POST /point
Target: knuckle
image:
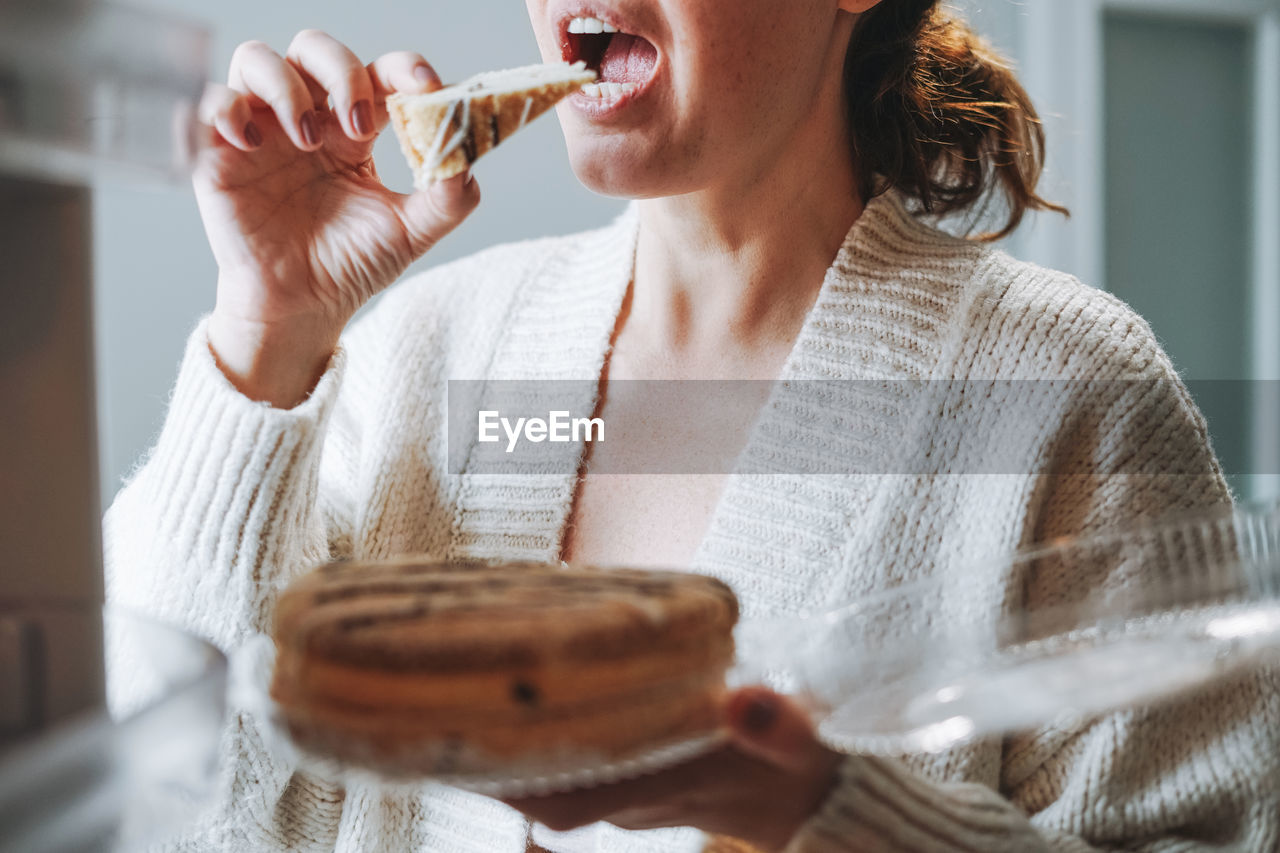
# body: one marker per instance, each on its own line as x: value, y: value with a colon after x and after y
x: 356, y: 81
x: 207, y: 112
x: 212, y: 93
x: 215, y: 102
x: 398, y: 63
x: 405, y: 57
x: 282, y: 102
x: 249, y: 48
x: 306, y: 37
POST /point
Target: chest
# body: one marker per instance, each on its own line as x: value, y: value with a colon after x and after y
x: 649, y: 491
x: 644, y: 521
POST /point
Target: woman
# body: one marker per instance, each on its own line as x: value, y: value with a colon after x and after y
x: 777, y: 159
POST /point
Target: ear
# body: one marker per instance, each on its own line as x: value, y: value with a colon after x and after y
x: 857, y: 7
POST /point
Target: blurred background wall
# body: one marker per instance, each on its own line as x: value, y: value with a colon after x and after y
x: 1164, y: 130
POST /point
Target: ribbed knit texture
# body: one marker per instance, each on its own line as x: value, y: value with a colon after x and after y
x: 237, y: 498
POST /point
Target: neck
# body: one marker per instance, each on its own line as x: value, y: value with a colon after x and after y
x: 738, y: 265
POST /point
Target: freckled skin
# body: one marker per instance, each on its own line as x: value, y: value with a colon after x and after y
x: 741, y: 147
x: 738, y: 79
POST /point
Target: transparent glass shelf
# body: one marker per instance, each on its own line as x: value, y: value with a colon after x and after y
x: 124, y: 779
x: 92, y: 88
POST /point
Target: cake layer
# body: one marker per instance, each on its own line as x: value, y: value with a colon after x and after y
x: 415, y: 743
x: 555, y: 685
x: 451, y: 617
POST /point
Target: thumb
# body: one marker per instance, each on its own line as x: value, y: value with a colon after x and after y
x: 430, y: 214
x: 773, y: 728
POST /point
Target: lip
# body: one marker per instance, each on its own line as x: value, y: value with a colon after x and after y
x: 598, y: 108
x: 595, y: 108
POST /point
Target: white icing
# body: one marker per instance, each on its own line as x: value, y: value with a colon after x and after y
x: 440, y: 151
x: 510, y: 81
x: 531, y: 76
x: 524, y: 116
x: 436, y: 151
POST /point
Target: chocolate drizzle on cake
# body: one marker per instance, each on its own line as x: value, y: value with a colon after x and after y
x: 413, y: 613
x: 525, y: 693
x: 469, y: 145
x: 454, y: 616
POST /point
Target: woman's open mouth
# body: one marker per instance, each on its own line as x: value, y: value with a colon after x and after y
x: 623, y: 62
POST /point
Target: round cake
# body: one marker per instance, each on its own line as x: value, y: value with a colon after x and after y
x: 421, y: 668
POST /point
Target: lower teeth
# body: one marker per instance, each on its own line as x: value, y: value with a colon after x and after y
x: 608, y: 91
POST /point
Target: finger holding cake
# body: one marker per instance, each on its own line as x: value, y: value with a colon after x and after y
x: 761, y: 787
x: 303, y: 230
x: 331, y: 68
x: 317, y: 79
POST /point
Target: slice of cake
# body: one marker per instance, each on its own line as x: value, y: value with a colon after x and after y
x: 443, y: 132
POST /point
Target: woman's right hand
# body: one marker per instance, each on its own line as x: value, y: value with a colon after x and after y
x: 302, y: 229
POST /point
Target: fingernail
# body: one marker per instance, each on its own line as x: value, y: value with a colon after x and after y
x: 252, y: 135
x: 760, y: 715
x: 362, y: 118
x: 308, y: 124
x: 466, y: 181
x: 423, y: 75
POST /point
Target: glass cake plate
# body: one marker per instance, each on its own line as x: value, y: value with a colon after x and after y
x: 1044, y: 637
x: 131, y: 776
x: 1049, y: 636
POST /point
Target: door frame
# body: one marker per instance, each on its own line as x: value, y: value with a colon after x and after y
x: 1062, y: 66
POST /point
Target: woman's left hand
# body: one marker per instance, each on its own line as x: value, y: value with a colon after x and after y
x: 761, y: 787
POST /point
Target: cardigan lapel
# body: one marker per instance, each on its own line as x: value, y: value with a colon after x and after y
x: 555, y: 345
x: 788, y: 531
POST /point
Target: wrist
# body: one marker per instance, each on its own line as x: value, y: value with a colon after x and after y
x: 812, y: 792
x: 276, y: 363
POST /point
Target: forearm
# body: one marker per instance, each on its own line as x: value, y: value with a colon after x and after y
x: 878, y: 804
x: 1199, y: 773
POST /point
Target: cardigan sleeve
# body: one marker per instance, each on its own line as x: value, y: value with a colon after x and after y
x: 1196, y: 773
x: 224, y: 511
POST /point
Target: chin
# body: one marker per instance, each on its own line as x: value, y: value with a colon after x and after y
x: 608, y: 179
x: 615, y: 169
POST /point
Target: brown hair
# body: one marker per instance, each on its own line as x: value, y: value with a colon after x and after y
x: 936, y: 113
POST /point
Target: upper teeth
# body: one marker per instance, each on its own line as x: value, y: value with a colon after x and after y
x: 590, y: 25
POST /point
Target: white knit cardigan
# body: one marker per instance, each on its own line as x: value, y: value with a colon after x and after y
x: 237, y: 498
